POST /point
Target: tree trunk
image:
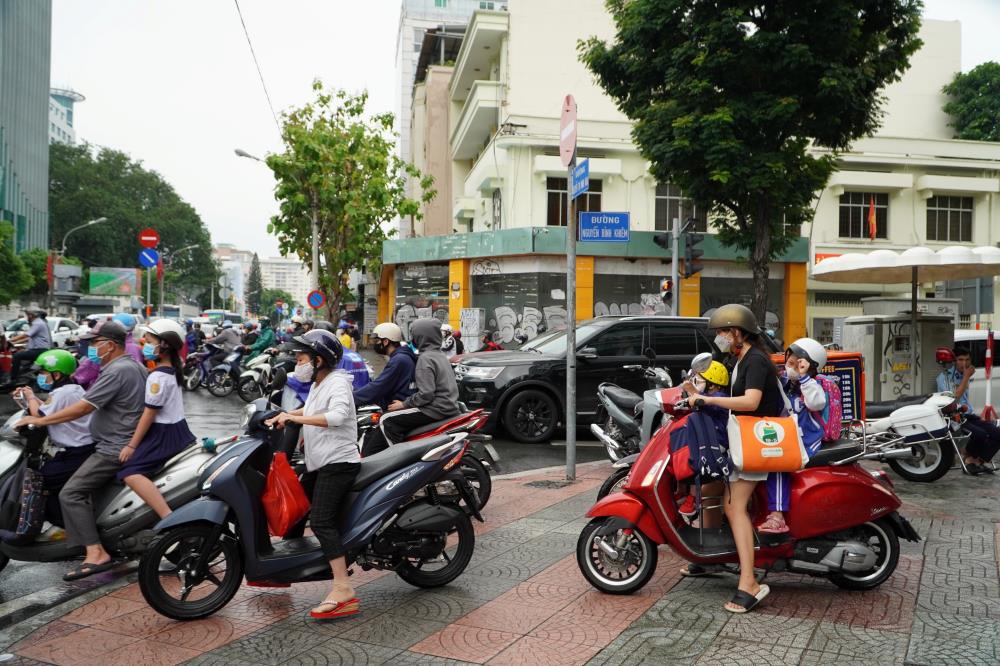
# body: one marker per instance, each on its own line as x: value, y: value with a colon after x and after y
x: 760, y: 266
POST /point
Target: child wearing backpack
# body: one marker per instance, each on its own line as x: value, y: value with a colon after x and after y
x: 812, y: 398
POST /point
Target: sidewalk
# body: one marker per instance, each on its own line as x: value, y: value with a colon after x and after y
x: 523, y: 601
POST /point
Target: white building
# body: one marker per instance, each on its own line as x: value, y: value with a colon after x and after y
x: 61, y: 108
x: 288, y: 274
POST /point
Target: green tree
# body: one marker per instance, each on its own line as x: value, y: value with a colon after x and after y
x: 728, y: 96
x: 255, y: 286
x: 36, y: 261
x: 15, y: 278
x: 340, y: 169
x: 974, y: 106
x: 269, y: 303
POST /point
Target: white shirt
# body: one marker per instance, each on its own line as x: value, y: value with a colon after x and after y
x: 72, y: 433
x: 164, y: 395
x: 338, y: 441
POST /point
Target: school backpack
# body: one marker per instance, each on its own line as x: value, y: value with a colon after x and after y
x: 832, y: 416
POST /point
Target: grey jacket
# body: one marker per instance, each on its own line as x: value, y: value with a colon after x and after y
x: 437, y: 391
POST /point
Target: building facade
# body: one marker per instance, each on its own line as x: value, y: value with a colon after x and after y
x: 25, y: 47
x: 62, y: 103
x: 290, y: 275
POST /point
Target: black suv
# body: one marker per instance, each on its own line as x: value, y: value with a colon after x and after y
x: 525, y: 390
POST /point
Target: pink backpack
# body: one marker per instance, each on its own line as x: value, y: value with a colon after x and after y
x: 832, y: 416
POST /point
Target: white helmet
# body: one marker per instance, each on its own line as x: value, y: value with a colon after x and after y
x: 298, y: 319
x: 446, y: 329
x: 810, y: 350
x: 388, y: 331
x: 169, y: 331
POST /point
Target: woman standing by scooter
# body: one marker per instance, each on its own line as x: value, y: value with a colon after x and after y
x: 755, y: 392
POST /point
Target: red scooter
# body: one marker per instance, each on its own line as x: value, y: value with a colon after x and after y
x: 843, y: 522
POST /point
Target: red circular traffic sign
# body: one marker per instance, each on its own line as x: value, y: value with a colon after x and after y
x: 567, y: 131
x: 316, y: 299
x: 149, y: 238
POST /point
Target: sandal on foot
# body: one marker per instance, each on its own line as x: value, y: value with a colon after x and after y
x: 694, y: 571
x: 88, y: 569
x: 773, y: 525
x: 746, y: 601
x: 329, y: 610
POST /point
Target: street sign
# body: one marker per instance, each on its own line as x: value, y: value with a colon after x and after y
x: 581, y: 178
x: 567, y: 131
x: 148, y: 258
x: 604, y: 227
x: 316, y: 299
x: 149, y: 238
x: 223, y: 280
x: 225, y: 293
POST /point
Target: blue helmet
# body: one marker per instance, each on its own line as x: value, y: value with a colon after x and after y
x: 125, y: 319
x: 227, y: 324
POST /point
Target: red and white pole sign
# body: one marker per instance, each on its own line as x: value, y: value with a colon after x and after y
x: 989, y: 413
x: 149, y: 238
x: 567, y: 131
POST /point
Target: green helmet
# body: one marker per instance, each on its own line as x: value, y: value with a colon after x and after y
x: 57, y: 360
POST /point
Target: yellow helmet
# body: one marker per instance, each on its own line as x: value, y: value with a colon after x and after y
x: 716, y: 374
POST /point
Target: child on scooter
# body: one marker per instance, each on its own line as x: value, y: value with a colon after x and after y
x: 163, y: 431
x: 73, y: 440
x: 803, y: 360
x: 714, y: 381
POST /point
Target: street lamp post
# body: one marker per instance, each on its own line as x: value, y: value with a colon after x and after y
x: 62, y: 253
x: 312, y: 219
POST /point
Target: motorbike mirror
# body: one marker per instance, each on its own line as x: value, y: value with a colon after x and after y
x: 701, y: 362
x: 279, y: 379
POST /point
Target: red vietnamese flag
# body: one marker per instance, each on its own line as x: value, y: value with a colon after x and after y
x: 159, y: 270
x: 872, y: 224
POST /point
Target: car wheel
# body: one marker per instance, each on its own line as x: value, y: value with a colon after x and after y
x: 531, y: 416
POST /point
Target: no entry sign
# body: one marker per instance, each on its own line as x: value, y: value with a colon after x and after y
x: 149, y: 238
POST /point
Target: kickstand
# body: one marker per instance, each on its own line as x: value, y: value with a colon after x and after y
x: 760, y: 578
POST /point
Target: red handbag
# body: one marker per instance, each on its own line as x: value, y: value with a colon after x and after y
x: 284, y: 499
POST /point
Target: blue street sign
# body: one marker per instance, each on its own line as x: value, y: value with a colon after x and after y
x: 581, y: 178
x: 315, y: 299
x: 148, y: 258
x: 604, y: 227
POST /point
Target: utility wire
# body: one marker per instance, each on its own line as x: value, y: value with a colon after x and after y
x: 257, y: 64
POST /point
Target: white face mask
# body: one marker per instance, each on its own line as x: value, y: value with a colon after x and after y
x: 699, y: 383
x: 724, y: 343
x: 791, y: 371
x: 303, y: 372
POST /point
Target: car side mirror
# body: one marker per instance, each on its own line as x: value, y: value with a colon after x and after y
x: 649, y: 353
x: 586, y: 352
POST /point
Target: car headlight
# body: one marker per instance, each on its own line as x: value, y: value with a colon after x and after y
x: 479, y: 372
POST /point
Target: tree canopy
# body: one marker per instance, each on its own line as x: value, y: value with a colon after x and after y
x: 728, y: 96
x: 269, y: 300
x: 339, y: 167
x: 255, y: 286
x: 974, y: 106
x: 15, y: 278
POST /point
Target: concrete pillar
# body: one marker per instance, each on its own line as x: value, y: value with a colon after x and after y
x: 387, y: 294
x: 584, y: 288
x: 793, y: 321
x: 690, y: 295
x: 458, y: 274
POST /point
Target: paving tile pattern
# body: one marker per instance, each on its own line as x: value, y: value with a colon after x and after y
x: 523, y: 601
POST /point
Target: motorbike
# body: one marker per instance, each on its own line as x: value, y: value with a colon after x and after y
x: 255, y: 381
x: 222, y: 378
x: 124, y: 521
x: 844, y: 524
x: 197, y: 366
x: 625, y: 421
x: 393, y: 519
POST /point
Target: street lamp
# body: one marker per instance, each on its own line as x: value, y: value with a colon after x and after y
x: 312, y: 218
x: 62, y: 253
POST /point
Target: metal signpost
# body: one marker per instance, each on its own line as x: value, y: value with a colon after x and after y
x: 148, y: 258
x: 567, y: 151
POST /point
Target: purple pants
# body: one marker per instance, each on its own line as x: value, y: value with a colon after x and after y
x: 779, y: 484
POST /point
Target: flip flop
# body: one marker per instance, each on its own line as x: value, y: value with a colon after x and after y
x: 766, y: 526
x: 88, y: 569
x: 746, y: 601
x: 336, y: 609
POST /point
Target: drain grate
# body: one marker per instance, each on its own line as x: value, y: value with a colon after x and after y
x: 549, y: 484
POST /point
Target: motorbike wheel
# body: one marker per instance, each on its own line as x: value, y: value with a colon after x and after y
x: 880, y: 537
x: 633, y: 569
x: 614, y: 482
x: 220, y: 383
x: 249, y: 389
x: 939, y: 456
x: 462, y: 543
x: 192, y: 378
x: 193, y: 596
x: 531, y: 416
x: 478, y: 477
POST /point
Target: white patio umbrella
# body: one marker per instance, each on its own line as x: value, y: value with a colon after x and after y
x: 914, y: 265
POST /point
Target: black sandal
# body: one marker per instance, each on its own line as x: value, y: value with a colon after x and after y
x: 694, y: 571
x: 746, y: 601
x: 88, y: 569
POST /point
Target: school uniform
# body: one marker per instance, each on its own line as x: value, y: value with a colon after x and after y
x: 169, y: 433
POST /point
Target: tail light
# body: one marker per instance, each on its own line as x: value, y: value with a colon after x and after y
x: 375, y: 417
x: 457, y: 459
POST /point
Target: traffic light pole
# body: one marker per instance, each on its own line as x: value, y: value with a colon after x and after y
x: 570, y: 328
x: 676, y: 241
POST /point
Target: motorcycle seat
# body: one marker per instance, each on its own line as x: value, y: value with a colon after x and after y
x: 428, y: 428
x: 881, y: 425
x: 622, y: 398
x: 393, y: 458
x: 834, y: 452
x: 878, y: 410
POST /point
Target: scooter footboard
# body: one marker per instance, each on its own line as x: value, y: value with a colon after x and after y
x: 628, y: 508
x: 203, y: 509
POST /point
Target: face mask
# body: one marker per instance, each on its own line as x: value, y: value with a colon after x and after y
x: 93, y: 355
x: 791, y: 372
x: 699, y: 384
x: 43, y: 384
x: 303, y: 372
x: 150, y: 352
x: 724, y: 343
x: 379, y: 348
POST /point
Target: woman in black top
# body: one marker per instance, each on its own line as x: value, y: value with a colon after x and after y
x: 755, y: 392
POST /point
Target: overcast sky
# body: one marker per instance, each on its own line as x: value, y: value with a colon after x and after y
x: 173, y: 84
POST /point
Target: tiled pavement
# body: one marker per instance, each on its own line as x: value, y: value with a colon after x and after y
x: 523, y: 601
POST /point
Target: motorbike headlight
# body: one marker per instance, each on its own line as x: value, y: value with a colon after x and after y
x: 479, y: 372
x: 248, y: 413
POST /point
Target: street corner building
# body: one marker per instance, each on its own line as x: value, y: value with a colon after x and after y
x: 482, y: 117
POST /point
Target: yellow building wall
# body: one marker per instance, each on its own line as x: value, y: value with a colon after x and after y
x: 690, y: 303
x: 584, y: 288
x: 794, y: 319
x: 458, y: 273
x: 387, y: 294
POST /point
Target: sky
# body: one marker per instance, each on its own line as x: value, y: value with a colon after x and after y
x: 173, y: 84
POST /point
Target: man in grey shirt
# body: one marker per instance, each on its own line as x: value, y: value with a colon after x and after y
x: 117, y: 400
x: 37, y: 336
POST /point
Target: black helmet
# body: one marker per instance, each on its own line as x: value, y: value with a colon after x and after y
x: 323, y: 325
x: 734, y: 316
x: 319, y: 343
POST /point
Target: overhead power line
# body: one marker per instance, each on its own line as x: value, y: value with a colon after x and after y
x: 260, y: 74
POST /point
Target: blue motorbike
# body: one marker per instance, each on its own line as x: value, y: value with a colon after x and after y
x: 393, y: 519
x: 223, y: 378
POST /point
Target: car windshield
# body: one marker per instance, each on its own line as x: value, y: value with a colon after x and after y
x: 555, y: 342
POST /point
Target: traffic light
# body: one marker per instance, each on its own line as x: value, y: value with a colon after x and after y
x: 664, y: 241
x: 692, y: 253
x: 667, y: 290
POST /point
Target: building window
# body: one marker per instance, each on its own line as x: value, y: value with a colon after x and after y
x: 485, y: 5
x: 555, y: 189
x: 949, y: 219
x: 671, y: 203
x: 440, y: 3
x: 854, y: 214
